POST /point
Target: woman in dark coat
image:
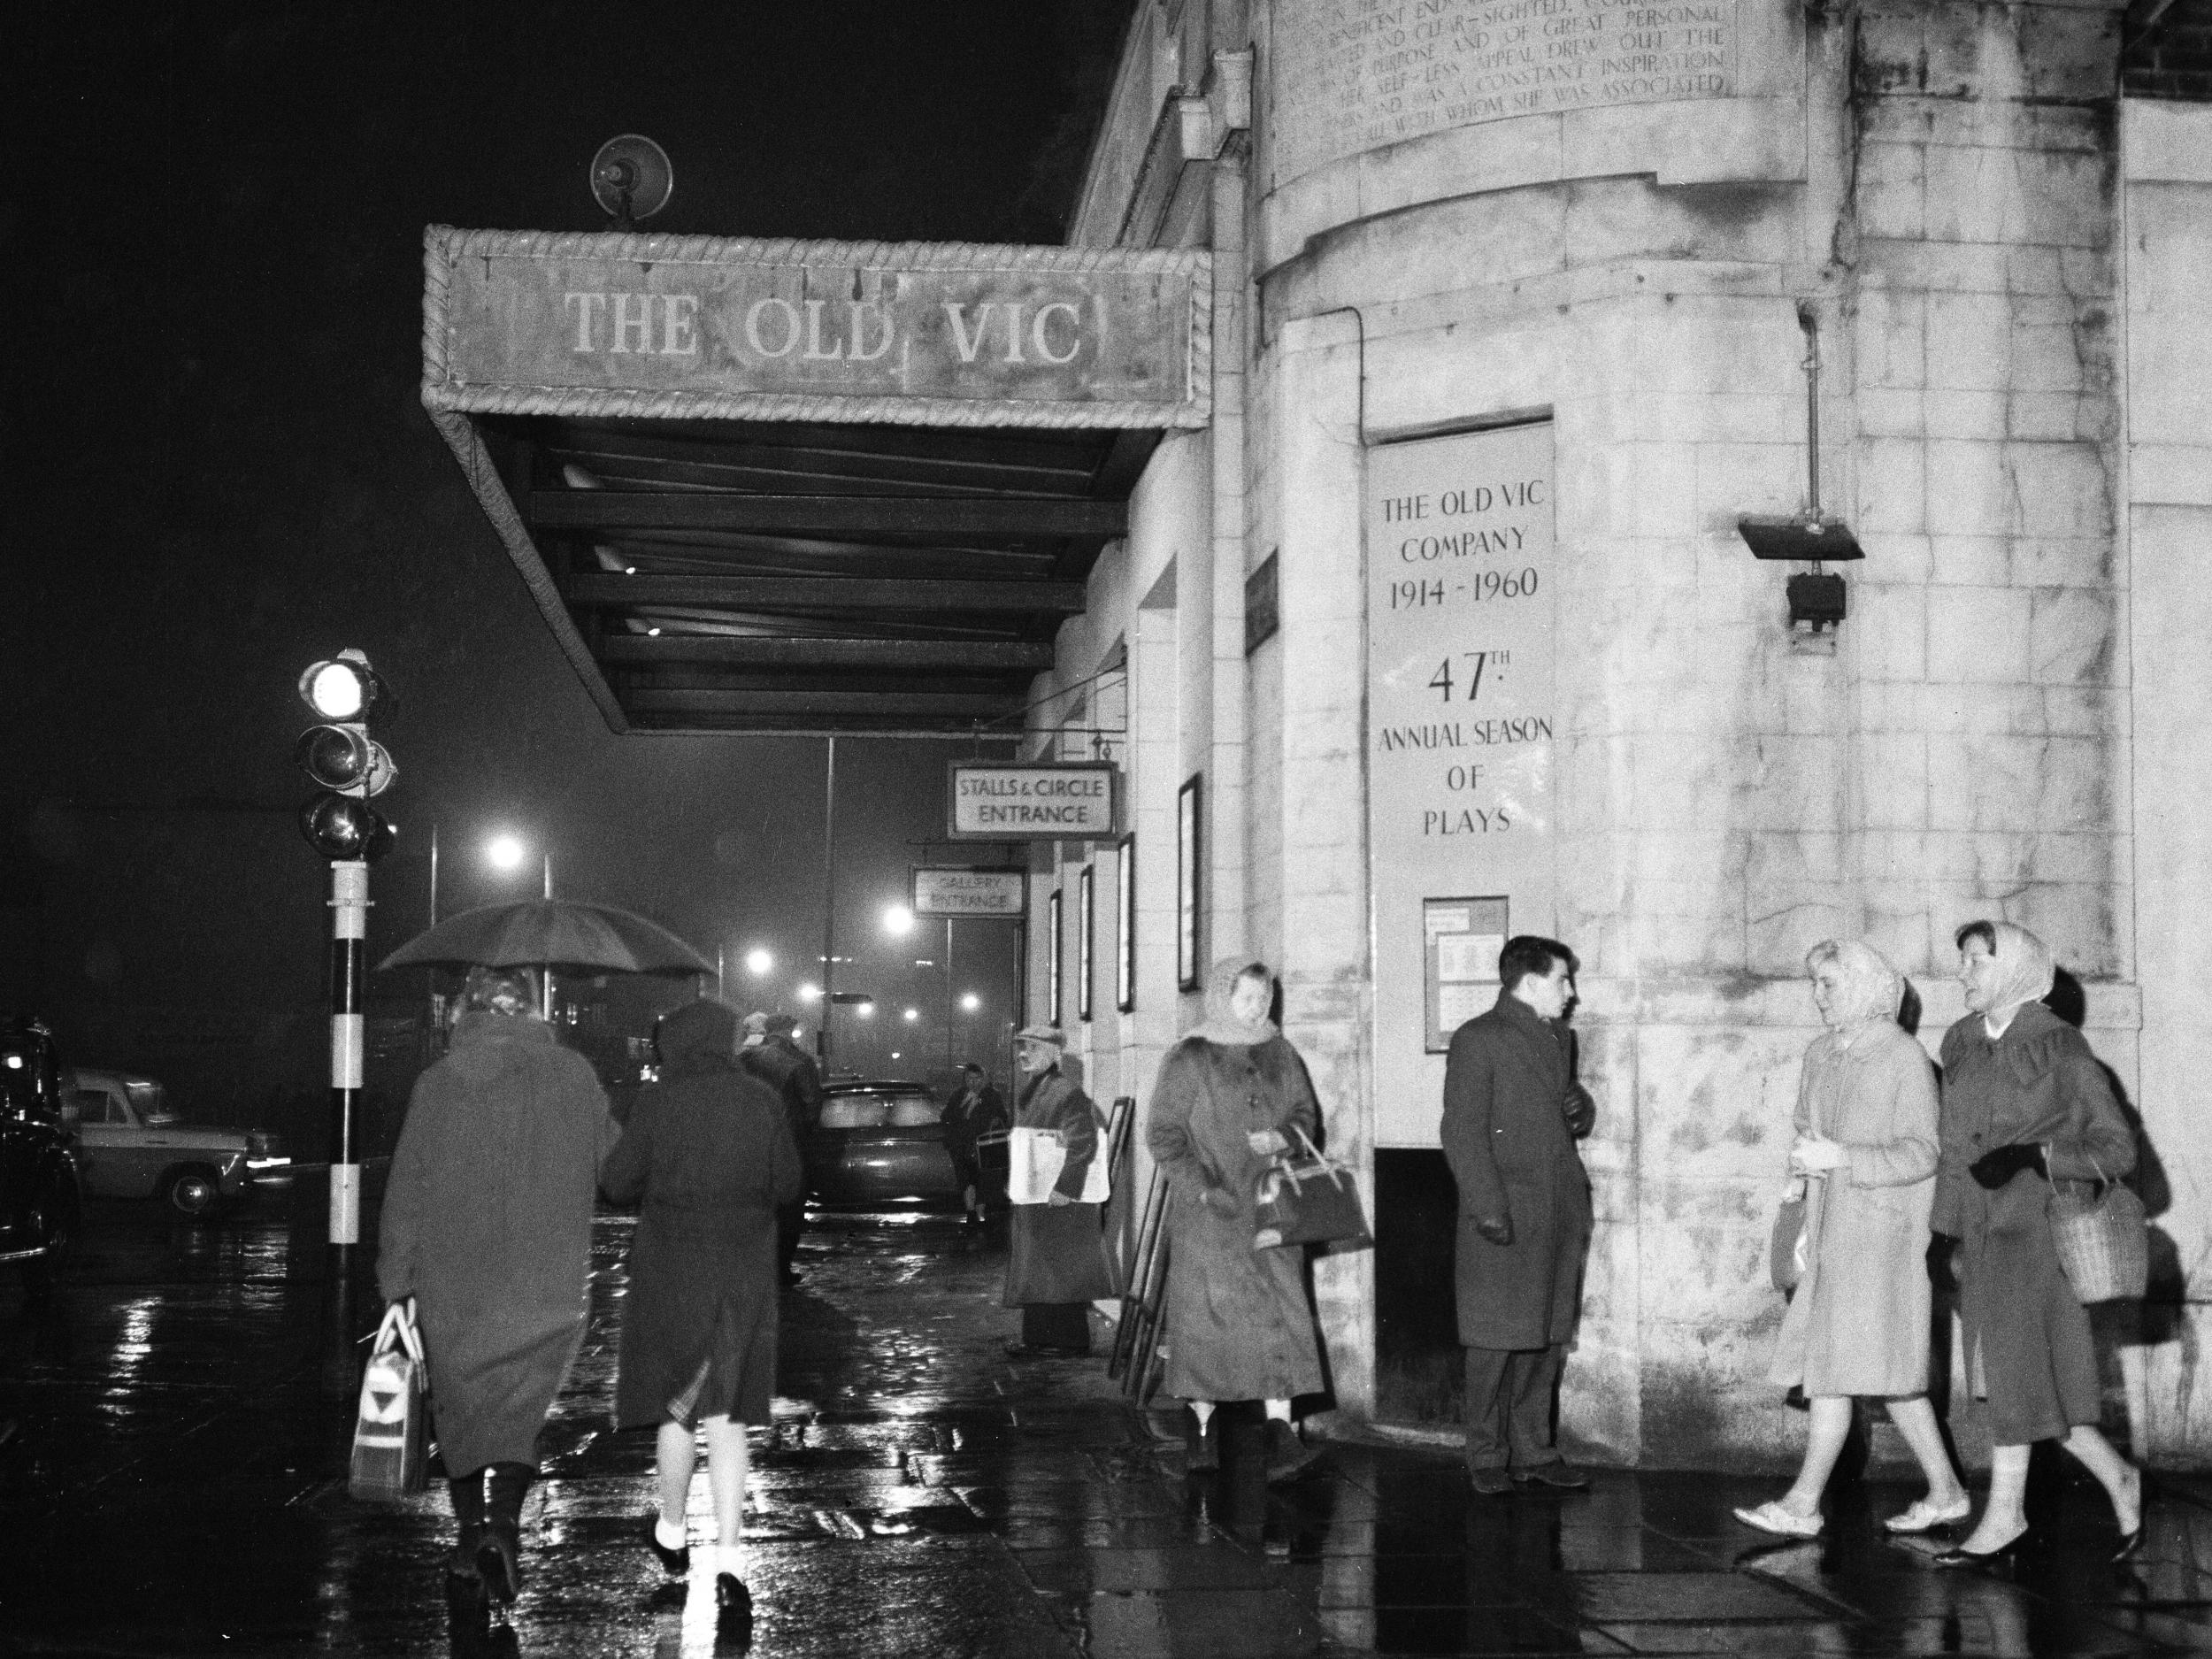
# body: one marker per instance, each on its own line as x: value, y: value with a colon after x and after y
x: 2025, y: 1103
x: 1056, y: 1264
x: 486, y: 1224
x: 1229, y: 1097
x: 708, y: 1157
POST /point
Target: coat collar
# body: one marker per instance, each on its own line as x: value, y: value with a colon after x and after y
x: 481, y: 1025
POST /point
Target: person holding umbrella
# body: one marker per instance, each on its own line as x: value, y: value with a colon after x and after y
x: 487, y: 1226
x: 708, y: 1158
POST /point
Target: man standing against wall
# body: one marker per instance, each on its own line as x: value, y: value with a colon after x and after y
x: 1512, y: 1113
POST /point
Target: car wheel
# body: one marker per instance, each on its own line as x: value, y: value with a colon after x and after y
x: 194, y: 1192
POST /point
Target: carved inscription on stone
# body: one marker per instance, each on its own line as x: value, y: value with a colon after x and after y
x: 1352, y: 76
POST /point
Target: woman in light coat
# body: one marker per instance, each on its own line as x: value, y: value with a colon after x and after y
x: 2025, y: 1103
x: 1865, y: 1157
x: 1229, y: 1097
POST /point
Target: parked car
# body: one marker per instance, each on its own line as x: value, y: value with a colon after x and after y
x: 882, y: 1143
x: 39, y: 1191
x: 132, y: 1144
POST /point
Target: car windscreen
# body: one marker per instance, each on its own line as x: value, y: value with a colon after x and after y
x: 150, y: 1102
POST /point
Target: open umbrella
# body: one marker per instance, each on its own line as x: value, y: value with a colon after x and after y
x: 551, y: 933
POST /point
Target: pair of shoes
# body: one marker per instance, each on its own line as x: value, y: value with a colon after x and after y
x: 1490, y: 1482
x: 1560, y: 1473
x: 1962, y: 1556
x: 1925, y: 1516
x: 1287, y: 1455
x: 1044, y: 1350
x: 675, y: 1563
x: 1201, y: 1446
x: 1772, y: 1518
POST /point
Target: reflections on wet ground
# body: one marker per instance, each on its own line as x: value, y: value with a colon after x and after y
x: 174, y: 1485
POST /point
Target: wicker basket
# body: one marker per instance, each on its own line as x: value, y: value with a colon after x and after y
x: 2103, y: 1241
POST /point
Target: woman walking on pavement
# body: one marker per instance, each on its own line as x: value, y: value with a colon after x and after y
x: 1056, y: 1264
x: 1228, y: 1098
x: 2025, y: 1104
x: 708, y: 1157
x: 1865, y: 1159
x: 486, y: 1224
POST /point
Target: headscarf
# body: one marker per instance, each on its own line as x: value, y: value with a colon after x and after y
x: 2025, y: 972
x: 1871, y: 988
x: 508, y: 991
x: 1221, y: 1024
x: 697, y: 1039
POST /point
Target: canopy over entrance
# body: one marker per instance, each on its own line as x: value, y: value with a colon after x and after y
x: 807, y: 487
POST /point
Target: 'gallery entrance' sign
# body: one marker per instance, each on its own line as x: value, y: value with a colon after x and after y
x: 1070, y: 803
x: 957, y: 333
x: 1460, y: 633
x: 967, y: 891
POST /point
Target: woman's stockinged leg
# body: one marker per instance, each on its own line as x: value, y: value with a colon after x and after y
x: 676, y: 1450
x: 2006, y: 1517
x: 1916, y: 1420
x: 2121, y: 1481
x: 729, y: 1457
x: 1831, y: 1427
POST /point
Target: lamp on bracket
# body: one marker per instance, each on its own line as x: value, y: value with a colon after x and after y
x: 1818, y: 600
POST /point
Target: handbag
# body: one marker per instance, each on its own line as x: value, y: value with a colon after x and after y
x: 1306, y: 1198
x: 1035, y: 1158
x: 2102, y: 1237
x: 1787, y: 1249
x: 391, y: 1430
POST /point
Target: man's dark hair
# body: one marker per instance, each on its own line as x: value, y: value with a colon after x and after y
x: 1526, y: 953
x: 1985, y: 932
x: 972, y: 1066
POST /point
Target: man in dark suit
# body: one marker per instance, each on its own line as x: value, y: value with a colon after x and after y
x: 773, y: 1054
x: 1512, y: 1113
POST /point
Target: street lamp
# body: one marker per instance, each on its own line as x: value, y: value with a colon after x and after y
x: 913, y: 1014
x: 898, y: 921
x: 970, y: 1001
x: 809, y: 993
x: 758, y: 960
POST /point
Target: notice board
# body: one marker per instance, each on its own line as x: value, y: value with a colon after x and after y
x: 1461, y: 630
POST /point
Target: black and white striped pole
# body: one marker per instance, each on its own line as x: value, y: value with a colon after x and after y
x: 339, y: 823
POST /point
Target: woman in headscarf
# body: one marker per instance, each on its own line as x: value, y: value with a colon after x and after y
x: 1229, y: 1097
x: 707, y: 1156
x: 1864, y: 1161
x: 486, y: 1224
x: 2025, y: 1103
x: 1056, y: 1263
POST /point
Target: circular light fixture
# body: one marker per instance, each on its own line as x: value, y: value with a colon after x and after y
x: 810, y: 994
x: 344, y: 758
x: 969, y: 1002
x: 866, y: 1010
x: 913, y: 1014
x: 758, y: 961
x: 898, y: 920
x: 345, y: 687
x: 505, y: 852
x: 344, y: 826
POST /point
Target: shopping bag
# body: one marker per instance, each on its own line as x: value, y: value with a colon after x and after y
x: 1787, y: 1249
x: 391, y: 1430
x: 1034, y: 1160
x: 2102, y: 1237
x: 1305, y: 1198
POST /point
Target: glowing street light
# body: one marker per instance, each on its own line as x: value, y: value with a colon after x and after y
x: 758, y: 960
x: 898, y: 921
x: 913, y: 1014
x: 809, y: 993
x: 970, y: 1001
x: 505, y: 852
x: 866, y: 1010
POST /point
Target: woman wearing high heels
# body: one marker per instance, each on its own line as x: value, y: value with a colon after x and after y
x: 2025, y: 1103
x: 1865, y: 1155
x: 707, y: 1158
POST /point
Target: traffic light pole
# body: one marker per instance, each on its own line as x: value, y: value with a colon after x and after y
x: 349, y: 933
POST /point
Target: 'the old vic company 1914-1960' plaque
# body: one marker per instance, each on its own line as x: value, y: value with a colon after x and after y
x: 1351, y: 76
x: 1460, y: 633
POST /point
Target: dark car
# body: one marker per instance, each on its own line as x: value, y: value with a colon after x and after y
x: 40, y: 1197
x: 881, y: 1144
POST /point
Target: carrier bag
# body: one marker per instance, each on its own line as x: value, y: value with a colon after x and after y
x: 1306, y: 1198
x: 391, y: 1432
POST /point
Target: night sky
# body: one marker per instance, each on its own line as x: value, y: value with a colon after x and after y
x: 219, y: 470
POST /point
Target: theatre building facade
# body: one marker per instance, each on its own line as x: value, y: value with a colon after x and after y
x: 1533, y: 324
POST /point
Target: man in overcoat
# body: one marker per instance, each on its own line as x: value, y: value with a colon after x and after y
x: 1512, y: 1113
x: 771, y: 1053
x: 1056, y: 1264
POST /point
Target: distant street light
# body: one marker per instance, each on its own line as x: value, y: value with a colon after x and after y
x: 970, y: 1001
x: 809, y: 993
x: 504, y: 853
x: 898, y: 921
x: 913, y: 1014
x: 758, y: 961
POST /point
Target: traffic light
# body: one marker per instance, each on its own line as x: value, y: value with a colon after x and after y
x: 348, y: 764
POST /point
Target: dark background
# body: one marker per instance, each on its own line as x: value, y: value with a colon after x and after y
x: 218, y: 472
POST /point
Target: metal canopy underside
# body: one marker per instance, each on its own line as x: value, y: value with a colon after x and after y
x: 725, y: 576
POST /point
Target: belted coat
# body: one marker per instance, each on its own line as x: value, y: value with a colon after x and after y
x: 1512, y: 1112
x: 1056, y: 1253
x: 2028, y: 1347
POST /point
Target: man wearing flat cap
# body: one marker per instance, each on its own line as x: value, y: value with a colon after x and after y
x: 1056, y: 1264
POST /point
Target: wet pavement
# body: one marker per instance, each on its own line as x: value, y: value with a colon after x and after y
x: 174, y: 1485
